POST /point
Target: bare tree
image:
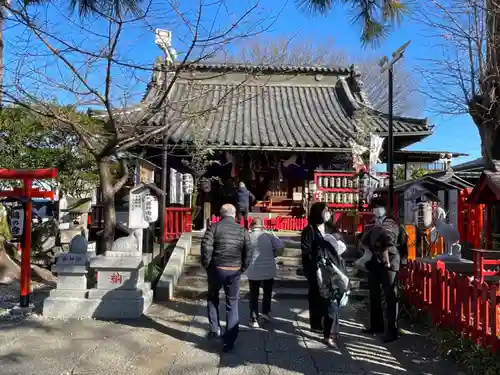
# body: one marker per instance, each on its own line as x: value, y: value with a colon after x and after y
x: 464, y: 79
x: 292, y: 51
x: 95, y: 63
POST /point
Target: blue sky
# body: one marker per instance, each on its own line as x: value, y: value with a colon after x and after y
x: 451, y: 133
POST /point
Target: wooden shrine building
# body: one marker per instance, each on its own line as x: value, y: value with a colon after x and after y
x: 268, y: 126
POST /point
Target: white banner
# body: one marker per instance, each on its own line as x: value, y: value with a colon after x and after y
x: 375, y: 148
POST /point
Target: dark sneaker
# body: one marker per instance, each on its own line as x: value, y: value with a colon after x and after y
x: 254, y: 323
x: 214, y: 335
x: 227, y: 348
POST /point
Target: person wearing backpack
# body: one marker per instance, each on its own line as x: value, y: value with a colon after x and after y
x: 383, y: 267
x: 312, y: 247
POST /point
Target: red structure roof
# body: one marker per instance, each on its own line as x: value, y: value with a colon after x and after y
x: 487, y: 189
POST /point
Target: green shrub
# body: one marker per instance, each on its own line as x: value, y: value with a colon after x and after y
x: 474, y: 358
x: 449, y: 343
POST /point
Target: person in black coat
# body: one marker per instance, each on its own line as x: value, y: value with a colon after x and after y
x: 244, y: 200
x: 382, y: 240
x: 226, y: 252
x: 311, y: 242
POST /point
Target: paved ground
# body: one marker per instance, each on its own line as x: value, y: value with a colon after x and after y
x: 171, y: 341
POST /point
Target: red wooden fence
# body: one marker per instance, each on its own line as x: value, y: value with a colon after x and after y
x: 454, y: 301
x: 280, y: 223
x: 177, y: 221
x: 344, y: 222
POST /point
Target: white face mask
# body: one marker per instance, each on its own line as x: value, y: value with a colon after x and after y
x: 379, y: 212
x: 326, y: 216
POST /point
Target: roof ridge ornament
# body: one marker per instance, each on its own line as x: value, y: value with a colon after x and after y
x: 163, y: 39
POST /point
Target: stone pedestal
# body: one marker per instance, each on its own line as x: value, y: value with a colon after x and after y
x: 71, y: 291
x: 121, y: 290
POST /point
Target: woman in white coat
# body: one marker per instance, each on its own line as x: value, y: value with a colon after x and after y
x: 262, y: 270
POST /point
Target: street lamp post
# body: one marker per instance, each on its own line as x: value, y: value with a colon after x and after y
x: 385, y: 64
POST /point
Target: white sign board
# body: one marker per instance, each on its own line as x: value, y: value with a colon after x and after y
x: 188, y: 184
x: 136, y: 209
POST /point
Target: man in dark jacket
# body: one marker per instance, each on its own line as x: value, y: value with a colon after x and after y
x: 382, y: 240
x: 243, y: 201
x: 226, y: 252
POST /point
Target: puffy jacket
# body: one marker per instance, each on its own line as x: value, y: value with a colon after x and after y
x: 226, y: 244
x: 265, y: 248
x: 384, y: 236
x: 243, y: 197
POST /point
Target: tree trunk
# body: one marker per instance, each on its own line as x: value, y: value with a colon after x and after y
x: 489, y: 129
x: 108, y: 194
x: 489, y: 132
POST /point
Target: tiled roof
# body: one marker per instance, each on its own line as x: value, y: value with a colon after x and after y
x: 237, y: 67
x: 469, y: 165
x: 307, y: 108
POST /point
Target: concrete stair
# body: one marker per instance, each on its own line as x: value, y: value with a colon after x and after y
x: 289, y: 283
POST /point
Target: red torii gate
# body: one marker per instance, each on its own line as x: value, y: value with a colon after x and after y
x: 25, y: 194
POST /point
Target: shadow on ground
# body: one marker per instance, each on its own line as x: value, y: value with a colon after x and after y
x: 286, y: 344
x: 171, y: 340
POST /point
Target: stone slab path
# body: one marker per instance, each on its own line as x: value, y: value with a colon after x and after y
x: 170, y: 340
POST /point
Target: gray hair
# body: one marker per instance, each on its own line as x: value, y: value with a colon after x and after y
x: 242, y: 184
x: 228, y: 210
x: 257, y: 222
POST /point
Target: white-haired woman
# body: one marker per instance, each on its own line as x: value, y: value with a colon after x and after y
x: 262, y: 270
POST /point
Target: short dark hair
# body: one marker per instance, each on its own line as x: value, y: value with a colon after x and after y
x: 378, y: 201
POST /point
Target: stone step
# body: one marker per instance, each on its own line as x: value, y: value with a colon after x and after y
x: 199, y: 291
x: 288, y: 283
x: 289, y: 261
x: 290, y: 252
x: 286, y: 262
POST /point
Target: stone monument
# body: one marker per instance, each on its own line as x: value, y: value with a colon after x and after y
x: 121, y: 290
x: 68, y: 300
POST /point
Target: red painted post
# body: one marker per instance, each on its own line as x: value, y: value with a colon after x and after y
x: 438, y: 292
x: 488, y: 233
x: 485, y: 315
x: 481, y: 267
x: 26, y: 254
x: 493, y: 307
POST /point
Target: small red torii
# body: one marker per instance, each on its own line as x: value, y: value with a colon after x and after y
x: 25, y: 194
